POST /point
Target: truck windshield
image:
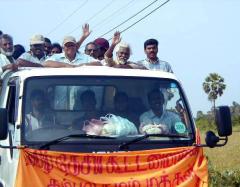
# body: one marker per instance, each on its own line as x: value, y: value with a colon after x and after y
x: 120, y: 107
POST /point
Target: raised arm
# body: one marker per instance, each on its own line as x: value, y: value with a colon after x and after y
x: 109, y: 53
x: 85, y: 33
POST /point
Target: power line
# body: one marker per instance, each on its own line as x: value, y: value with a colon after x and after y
x: 111, y: 15
x: 87, y: 21
x: 129, y: 18
x: 139, y: 19
x: 63, y: 21
x: 145, y: 16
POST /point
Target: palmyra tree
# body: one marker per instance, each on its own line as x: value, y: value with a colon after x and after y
x: 214, y: 86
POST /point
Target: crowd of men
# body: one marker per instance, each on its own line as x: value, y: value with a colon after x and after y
x: 43, y: 53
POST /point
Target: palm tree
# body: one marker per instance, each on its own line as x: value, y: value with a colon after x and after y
x: 214, y: 86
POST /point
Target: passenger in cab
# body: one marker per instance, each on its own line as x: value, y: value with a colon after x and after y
x: 88, y: 106
x: 36, y: 56
x: 70, y: 57
x: 7, y: 62
x: 121, y: 108
x: 157, y: 120
x: 152, y: 61
x: 123, y: 52
x: 40, y: 115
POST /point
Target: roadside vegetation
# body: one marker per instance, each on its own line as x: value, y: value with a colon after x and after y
x: 224, y: 162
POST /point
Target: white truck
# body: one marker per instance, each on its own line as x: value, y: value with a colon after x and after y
x: 54, y: 109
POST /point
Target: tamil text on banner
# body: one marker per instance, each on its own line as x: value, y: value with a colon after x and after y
x: 185, y: 166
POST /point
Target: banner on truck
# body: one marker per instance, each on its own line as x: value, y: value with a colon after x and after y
x: 185, y: 166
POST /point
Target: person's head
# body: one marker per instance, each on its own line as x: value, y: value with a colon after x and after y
x: 1, y: 32
x: 103, y: 46
x: 151, y: 48
x: 123, y: 52
x: 91, y: 49
x: 70, y: 47
x: 156, y: 100
x: 6, y: 44
x: 121, y: 102
x: 38, y: 100
x: 56, y: 48
x: 88, y: 100
x: 47, y: 46
x: 37, y: 45
x: 18, y: 50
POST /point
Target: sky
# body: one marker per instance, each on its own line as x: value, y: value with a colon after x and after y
x: 196, y: 37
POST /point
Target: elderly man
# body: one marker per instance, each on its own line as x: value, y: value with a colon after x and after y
x: 70, y: 57
x: 36, y: 56
x: 152, y: 62
x: 123, y: 52
x: 6, y: 59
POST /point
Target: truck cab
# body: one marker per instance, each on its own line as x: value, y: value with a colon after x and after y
x: 94, y: 110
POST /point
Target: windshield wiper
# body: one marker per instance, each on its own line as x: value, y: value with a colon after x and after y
x: 138, y: 139
x: 58, y: 140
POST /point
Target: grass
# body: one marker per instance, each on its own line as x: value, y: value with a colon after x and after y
x: 226, y: 157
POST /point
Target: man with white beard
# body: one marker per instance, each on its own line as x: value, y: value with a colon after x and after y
x: 6, y: 48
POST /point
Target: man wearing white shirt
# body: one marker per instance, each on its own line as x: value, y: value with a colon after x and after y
x: 36, y: 54
x: 70, y: 56
x: 6, y: 59
x: 157, y: 116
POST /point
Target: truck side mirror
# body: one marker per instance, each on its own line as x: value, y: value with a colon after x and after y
x: 211, y: 139
x: 3, y: 123
x: 223, y: 121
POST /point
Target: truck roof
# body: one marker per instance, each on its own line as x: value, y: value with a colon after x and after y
x: 91, y: 71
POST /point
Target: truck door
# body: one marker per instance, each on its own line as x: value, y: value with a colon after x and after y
x: 7, y: 162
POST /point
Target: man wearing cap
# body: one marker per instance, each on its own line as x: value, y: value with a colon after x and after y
x: 36, y: 54
x: 70, y: 57
x: 6, y: 48
x: 103, y: 46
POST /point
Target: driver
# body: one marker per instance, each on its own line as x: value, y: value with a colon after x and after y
x: 39, y: 116
x: 157, y: 120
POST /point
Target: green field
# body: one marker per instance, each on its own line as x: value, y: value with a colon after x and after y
x: 226, y: 157
x: 224, y: 162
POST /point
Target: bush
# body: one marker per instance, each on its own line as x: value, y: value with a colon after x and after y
x: 235, y: 120
x: 229, y: 178
x: 206, y: 124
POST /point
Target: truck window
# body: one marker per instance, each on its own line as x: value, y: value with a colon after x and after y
x: 106, y: 106
x: 68, y: 97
